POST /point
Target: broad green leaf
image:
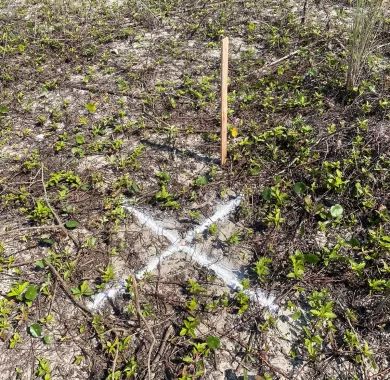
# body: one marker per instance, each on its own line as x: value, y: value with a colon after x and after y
x: 31, y: 293
x: 80, y: 139
x: 266, y: 194
x: 35, y: 330
x: 354, y: 242
x: 91, y: 107
x: 336, y: 211
x: 384, y: 241
x: 299, y: 188
x: 85, y: 288
x: 183, y: 331
x: 40, y: 264
x: 18, y: 289
x: 15, y: 339
x: 71, y: 224
x: 187, y: 359
x: 311, y: 258
x: 3, y: 110
x: 234, y: 132
x: 46, y: 242
x: 201, y: 181
x: 296, y: 315
x: 213, y: 342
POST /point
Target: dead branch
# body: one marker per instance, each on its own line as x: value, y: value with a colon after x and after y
x: 64, y: 287
x: 57, y: 218
x: 140, y: 316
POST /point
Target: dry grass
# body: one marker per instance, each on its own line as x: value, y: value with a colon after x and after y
x: 366, y: 21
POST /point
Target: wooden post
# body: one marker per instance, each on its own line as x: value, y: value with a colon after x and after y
x: 224, y: 94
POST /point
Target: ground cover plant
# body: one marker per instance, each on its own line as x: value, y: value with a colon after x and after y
x: 111, y: 106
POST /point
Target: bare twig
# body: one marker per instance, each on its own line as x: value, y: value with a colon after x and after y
x: 148, y: 9
x: 22, y: 264
x: 57, y: 218
x: 114, y: 363
x: 304, y: 10
x: 140, y: 316
x: 64, y: 287
x: 264, y: 69
x: 168, y: 333
x: 53, y: 297
x: 31, y: 228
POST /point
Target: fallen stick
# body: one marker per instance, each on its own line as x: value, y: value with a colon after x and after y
x: 113, y: 368
x: 263, y: 70
x: 168, y: 333
x: 57, y: 218
x: 64, y: 287
x: 141, y: 317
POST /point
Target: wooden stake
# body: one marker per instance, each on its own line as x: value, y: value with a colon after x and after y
x: 224, y: 94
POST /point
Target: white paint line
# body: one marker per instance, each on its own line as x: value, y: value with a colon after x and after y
x: 221, y: 213
x: 155, y: 261
x: 110, y: 293
x: 173, y: 237
x: 148, y: 221
x: 225, y: 273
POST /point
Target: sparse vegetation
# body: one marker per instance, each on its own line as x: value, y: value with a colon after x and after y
x: 112, y: 103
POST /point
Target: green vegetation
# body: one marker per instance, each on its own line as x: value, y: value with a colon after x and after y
x: 105, y: 103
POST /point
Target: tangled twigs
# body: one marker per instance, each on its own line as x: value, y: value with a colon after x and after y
x: 168, y: 333
x: 141, y: 317
x: 274, y: 64
x: 62, y: 283
x: 57, y: 218
x: 264, y: 359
